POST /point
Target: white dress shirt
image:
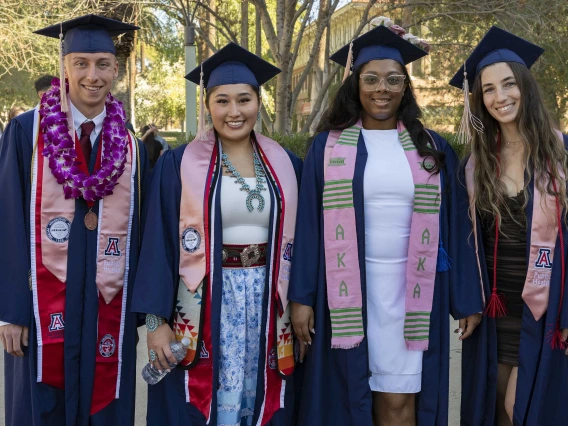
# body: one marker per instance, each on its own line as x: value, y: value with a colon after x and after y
x: 79, y: 118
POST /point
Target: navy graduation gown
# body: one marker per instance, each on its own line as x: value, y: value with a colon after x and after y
x: 26, y: 401
x: 156, y: 290
x: 542, y: 383
x: 336, y: 383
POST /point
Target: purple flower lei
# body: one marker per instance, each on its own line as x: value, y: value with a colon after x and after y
x: 60, y: 148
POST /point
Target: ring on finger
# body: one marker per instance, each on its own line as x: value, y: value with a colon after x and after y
x: 152, y: 355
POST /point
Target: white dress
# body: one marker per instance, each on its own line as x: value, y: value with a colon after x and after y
x: 389, y: 198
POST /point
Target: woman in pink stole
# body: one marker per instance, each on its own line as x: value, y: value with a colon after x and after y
x: 515, y: 370
x: 216, y: 260
x: 380, y: 249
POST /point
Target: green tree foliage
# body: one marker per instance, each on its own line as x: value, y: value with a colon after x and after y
x: 160, y: 93
x: 453, y: 26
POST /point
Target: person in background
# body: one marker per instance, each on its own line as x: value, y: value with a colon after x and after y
x: 15, y: 111
x: 152, y: 145
x: 160, y: 139
x: 514, y: 366
x: 43, y: 84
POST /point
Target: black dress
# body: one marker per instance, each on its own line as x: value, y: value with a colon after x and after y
x: 511, y: 275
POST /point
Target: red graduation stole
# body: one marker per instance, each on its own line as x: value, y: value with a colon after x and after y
x: 51, y: 216
x: 199, y: 168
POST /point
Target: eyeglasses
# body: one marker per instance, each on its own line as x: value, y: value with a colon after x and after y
x: 371, y: 82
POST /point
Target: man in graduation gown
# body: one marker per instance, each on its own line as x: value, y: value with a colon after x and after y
x: 70, y: 217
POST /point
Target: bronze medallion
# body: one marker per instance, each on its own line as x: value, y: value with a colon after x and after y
x: 91, y: 221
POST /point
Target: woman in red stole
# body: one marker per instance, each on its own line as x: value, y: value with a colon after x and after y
x: 216, y: 260
x: 515, y: 369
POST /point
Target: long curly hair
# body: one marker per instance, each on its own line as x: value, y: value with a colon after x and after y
x: 345, y: 111
x: 544, y: 152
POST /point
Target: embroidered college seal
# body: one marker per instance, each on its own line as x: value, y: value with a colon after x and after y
x: 58, y: 230
x: 190, y: 240
x: 107, y: 346
x: 288, y: 252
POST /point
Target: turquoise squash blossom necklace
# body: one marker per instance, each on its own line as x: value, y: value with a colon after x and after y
x: 253, y: 194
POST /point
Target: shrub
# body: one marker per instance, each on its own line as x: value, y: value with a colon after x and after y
x: 295, y: 142
x: 299, y: 143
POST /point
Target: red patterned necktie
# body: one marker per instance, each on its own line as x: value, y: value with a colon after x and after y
x: 85, y: 141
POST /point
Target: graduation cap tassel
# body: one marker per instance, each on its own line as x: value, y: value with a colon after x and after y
x: 496, y: 306
x: 201, y: 131
x: 62, y: 85
x: 349, y: 62
x: 468, y: 120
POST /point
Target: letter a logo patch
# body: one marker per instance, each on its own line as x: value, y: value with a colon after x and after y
x: 57, y: 323
x: 112, y: 247
x: 543, y: 259
x: 203, y: 353
x: 288, y: 252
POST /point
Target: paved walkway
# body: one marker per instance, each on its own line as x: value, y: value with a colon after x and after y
x: 141, y: 392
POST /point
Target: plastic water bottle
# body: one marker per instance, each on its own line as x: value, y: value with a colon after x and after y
x: 179, y: 349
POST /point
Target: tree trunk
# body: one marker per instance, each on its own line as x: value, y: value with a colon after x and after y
x: 244, y: 24
x: 319, y: 101
x: 132, y: 83
x: 282, y: 101
x: 212, y: 30
x: 322, y: 22
x: 323, y: 92
x: 142, y: 57
x: 281, y: 55
x: 123, y: 89
x: 321, y: 70
x: 258, y: 50
x: 407, y: 14
x: 258, y: 34
x: 280, y: 34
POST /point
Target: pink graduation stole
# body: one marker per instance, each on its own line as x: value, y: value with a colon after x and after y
x: 51, y: 218
x: 200, y: 172
x: 544, y: 232
x: 340, y: 240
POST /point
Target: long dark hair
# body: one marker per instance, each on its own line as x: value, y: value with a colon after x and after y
x: 345, y: 111
x: 544, y: 151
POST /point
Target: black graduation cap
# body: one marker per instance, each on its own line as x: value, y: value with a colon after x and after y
x: 87, y: 34
x: 497, y: 46
x: 379, y: 43
x: 233, y: 65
